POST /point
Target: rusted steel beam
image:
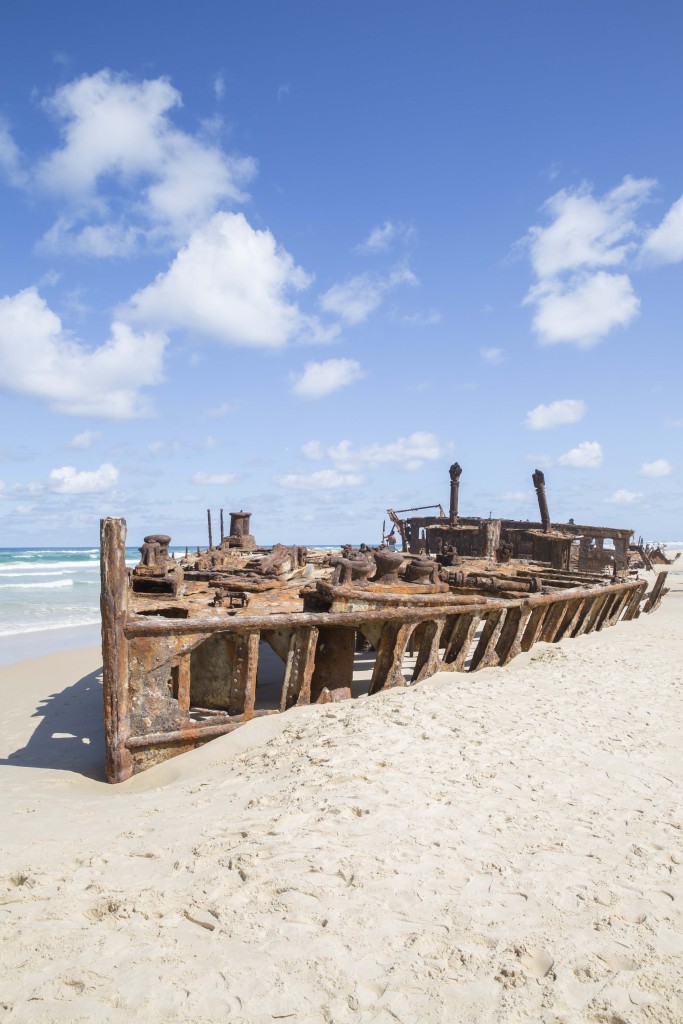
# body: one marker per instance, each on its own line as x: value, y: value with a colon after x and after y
x: 539, y: 483
x: 589, y: 616
x: 244, y: 661
x: 454, y: 472
x: 460, y: 640
x: 183, y: 682
x: 246, y: 623
x: 510, y: 639
x: 114, y: 608
x: 484, y: 653
x: 388, y: 670
x: 296, y: 686
x: 534, y: 626
x: 553, y: 621
x: 654, y: 598
x: 333, y: 670
x: 208, y: 518
x: 634, y: 604
x: 428, y: 659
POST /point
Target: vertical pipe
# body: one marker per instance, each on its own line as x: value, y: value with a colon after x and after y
x: 455, y: 472
x: 208, y: 517
x: 539, y: 483
x: 222, y: 528
x: 114, y: 608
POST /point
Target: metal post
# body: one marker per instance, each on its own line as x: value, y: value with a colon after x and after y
x: 539, y: 483
x: 208, y: 516
x: 455, y: 472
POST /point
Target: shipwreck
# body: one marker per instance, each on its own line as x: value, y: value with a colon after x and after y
x: 184, y: 639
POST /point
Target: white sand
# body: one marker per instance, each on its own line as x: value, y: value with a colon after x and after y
x: 501, y: 847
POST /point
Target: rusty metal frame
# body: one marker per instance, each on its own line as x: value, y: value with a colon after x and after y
x: 146, y: 723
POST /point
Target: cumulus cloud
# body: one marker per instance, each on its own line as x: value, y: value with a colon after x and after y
x: 410, y: 452
x: 492, y: 356
x: 114, y: 128
x: 214, y: 479
x: 312, y: 450
x: 556, y: 414
x: 664, y: 244
x: 319, y: 379
x: 660, y: 467
x: 354, y: 300
x: 587, y: 455
x: 38, y: 357
x: 322, y: 480
x: 586, y: 231
x: 623, y: 497
x: 231, y: 283
x: 584, y: 309
x: 68, y: 480
x: 576, y: 299
x: 383, y: 236
x: 85, y: 439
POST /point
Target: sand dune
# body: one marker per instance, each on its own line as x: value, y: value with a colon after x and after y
x: 501, y: 847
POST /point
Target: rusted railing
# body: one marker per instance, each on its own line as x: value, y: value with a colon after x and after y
x: 152, y: 665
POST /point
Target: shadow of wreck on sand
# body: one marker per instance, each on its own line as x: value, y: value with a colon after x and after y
x: 70, y: 734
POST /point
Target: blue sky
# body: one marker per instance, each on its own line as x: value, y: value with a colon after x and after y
x: 298, y: 257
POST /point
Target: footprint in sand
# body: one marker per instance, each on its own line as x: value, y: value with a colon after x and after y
x: 537, y: 962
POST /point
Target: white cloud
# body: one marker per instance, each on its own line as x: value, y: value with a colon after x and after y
x: 103, y: 241
x: 10, y: 157
x: 312, y: 450
x: 322, y: 480
x: 427, y: 318
x: 68, y: 480
x: 492, y: 356
x: 85, y: 440
x: 218, y: 411
x: 660, y: 467
x: 518, y: 496
x: 354, y: 300
x: 584, y: 310
x: 623, y: 497
x: 118, y: 129
x: 410, y: 452
x: 319, y: 379
x: 213, y: 479
x: 210, y: 443
x: 231, y: 283
x: 576, y: 299
x: 664, y: 244
x: 38, y: 357
x: 384, y: 235
x: 586, y: 231
x: 219, y: 86
x: 545, y: 417
x: 588, y: 455
x: 163, y: 447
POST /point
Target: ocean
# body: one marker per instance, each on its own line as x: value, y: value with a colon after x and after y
x: 50, y: 599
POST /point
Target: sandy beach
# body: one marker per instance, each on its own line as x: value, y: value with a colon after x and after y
x: 501, y: 847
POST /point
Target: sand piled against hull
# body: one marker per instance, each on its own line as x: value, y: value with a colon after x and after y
x: 500, y: 847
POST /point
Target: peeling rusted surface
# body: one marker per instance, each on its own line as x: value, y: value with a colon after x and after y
x: 184, y: 641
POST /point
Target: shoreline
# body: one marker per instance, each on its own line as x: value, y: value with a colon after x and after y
x: 16, y: 648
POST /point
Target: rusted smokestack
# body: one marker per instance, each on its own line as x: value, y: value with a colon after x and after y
x: 455, y: 472
x: 539, y: 483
